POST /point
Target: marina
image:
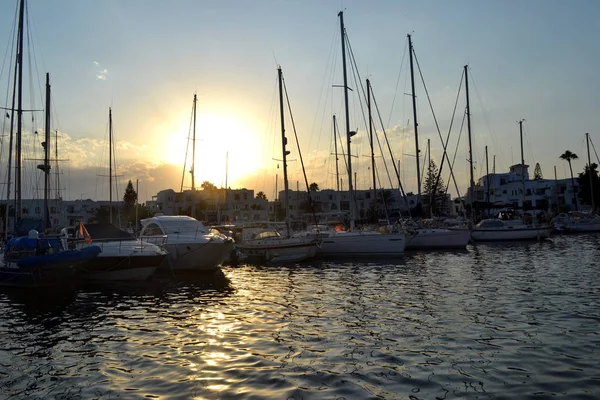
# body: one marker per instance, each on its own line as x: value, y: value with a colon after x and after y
x: 511, y: 320
x: 379, y: 239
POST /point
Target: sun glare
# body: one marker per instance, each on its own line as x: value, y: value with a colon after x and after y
x: 221, y: 139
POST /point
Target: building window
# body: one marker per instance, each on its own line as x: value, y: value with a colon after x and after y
x: 236, y: 197
x: 53, y: 209
x: 245, y: 196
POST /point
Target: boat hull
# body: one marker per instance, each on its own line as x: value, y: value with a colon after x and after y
x: 197, y: 256
x: 431, y: 239
x: 279, y: 250
x: 510, y: 234
x: 362, y: 244
x: 120, y: 268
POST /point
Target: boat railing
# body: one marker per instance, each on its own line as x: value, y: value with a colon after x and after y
x: 158, y: 240
x: 77, y: 243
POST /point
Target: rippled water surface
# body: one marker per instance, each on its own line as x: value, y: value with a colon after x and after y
x: 496, y: 321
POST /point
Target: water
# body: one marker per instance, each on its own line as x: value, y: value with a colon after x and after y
x: 496, y: 321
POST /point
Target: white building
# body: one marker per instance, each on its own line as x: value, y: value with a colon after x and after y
x: 506, y: 190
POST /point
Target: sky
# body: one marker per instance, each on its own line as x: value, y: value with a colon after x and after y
x: 532, y: 60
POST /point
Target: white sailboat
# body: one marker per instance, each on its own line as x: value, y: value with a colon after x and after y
x: 268, y: 244
x: 355, y: 242
x: 423, y: 238
x: 508, y: 226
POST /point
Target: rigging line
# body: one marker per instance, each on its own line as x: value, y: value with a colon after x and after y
x: 330, y: 63
x: 485, y: 117
x: 462, y: 124
x: 444, y: 144
x: 187, y: 147
x: 379, y: 142
x: 397, y: 83
x: 402, y: 192
x: 310, y: 201
x: 357, y: 81
x: 526, y: 136
x: 594, y: 148
x: 382, y: 191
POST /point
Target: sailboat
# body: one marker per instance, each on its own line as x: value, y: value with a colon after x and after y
x: 356, y: 242
x: 33, y: 260
x: 424, y: 238
x: 577, y: 221
x: 508, y: 225
x: 268, y: 244
x: 123, y: 257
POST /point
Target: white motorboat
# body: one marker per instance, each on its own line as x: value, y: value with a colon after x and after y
x: 437, y: 238
x: 338, y: 242
x: 574, y: 222
x: 267, y: 245
x: 509, y: 229
x: 192, y: 246
x: 122, y: 257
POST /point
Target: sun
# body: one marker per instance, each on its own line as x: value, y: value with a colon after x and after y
x: 228, y: 146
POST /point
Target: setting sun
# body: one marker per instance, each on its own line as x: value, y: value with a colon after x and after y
x: 221, y: 139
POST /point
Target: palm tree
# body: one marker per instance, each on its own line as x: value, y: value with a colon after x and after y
x: 568, y: 156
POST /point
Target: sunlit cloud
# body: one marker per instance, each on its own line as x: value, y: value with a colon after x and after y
x: 101, y: 73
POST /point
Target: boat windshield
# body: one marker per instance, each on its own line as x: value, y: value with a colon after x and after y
x: 183, y: 226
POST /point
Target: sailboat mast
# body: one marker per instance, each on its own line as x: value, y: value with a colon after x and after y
x: 56, y: 158
x: 487, y: 179
x: 416, y: 124
x: 110, y: 164
x: 46, y: 166
x: 587, y: 139
x: 348, y: 133
x: 472, y: 181
x: 372, y: 151
x: 284, y: 152
x: 19, y: 148
x: 194, y: 147
x: 522, y: 162
x: 337, y: 171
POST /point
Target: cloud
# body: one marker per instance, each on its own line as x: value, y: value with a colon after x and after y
x: 101, y: 73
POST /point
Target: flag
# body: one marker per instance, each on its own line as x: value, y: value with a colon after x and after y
x: 84, y: 233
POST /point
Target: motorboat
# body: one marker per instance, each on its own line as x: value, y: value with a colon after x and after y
x: 337, y: 241
x: 574, y: 222
x: 268, y: 245
x: 437, y: 238
x: 497, y: 229
x: 192, y: 246
x: 122, y: 256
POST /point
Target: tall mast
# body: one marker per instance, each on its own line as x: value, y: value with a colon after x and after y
x: 19, y: 148
x: 487, y: 179
x: 472, y: 181
x: 56, y: 158
x: 194, y: 148
x: 284, y: 152
x: 372, y: 151
x: 348, y: 133
x: 522, y: 162
x: 414, y: 103
x: 337, y: 171
x: 110, y: 138
x: 587, y: 139
x: 46, y: 166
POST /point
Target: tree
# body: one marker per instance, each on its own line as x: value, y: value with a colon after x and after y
x: 537, y: 172
x: 102, y: 215
x: 313, y: 187
x: 584, y: 185
x: 261, y: 195
x: 433, y: 189
x: 208, y: 186
x: 568, y: 156
x: 129, y: 201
